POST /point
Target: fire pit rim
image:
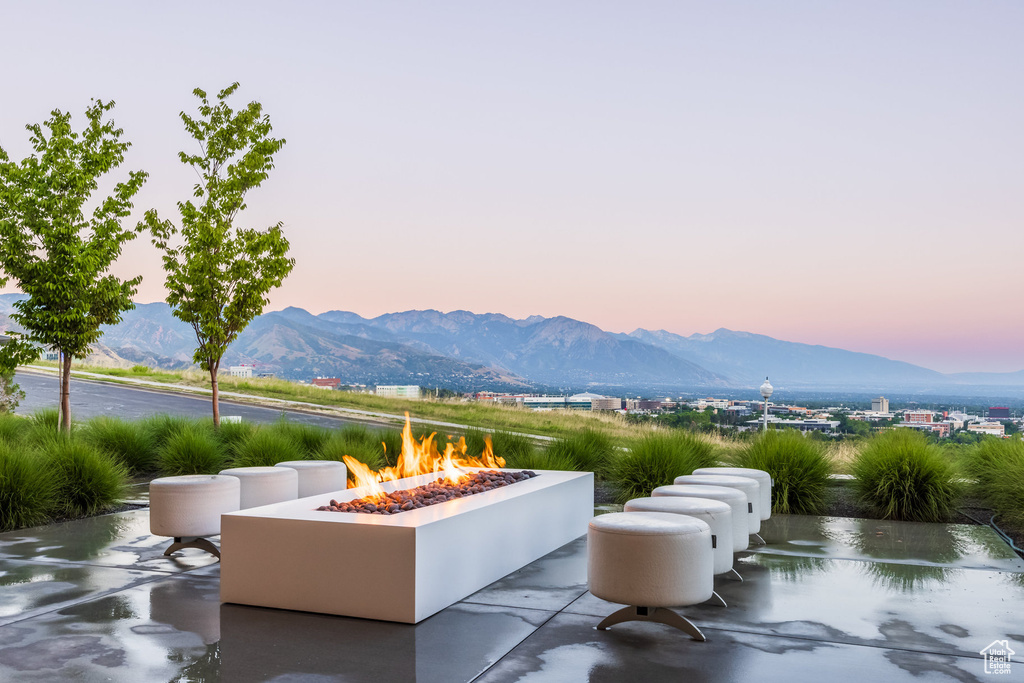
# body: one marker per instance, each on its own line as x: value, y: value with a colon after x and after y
x: 304, y: 510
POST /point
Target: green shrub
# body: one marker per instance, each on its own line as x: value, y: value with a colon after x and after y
x: 232, y: 434
x: 899, y: 475
x: 164, y: 427
x: 139, y: 370
x: 656, y: 460
x: 12, y: 428
x: 26, y: 488
x: 308, y: 438
x: 517, y: 450
x: 799, y: 468
x: 392, y: 440
x: 589, y: 451
x: 130, y: 443
x: 265, y: 448
x: 998, y: 467
x: 541, y: 460
x: 475, y: 442
x: 191, y: 450
x: 363, y: 449
x: 43, y: 428
x: 87, y: 480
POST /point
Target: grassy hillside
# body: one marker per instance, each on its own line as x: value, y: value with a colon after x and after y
x: 485, y: 416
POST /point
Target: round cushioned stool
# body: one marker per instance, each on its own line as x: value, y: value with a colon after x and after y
x: 648, y: 561
x: 736, y: 499
x: 188, y: 508
x: 763, y: 478
x: 265, y: 485
x: 717, y: 514
x: 318, y: 476
x: 751, y: 487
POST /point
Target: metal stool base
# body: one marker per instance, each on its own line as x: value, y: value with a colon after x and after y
x: 658, y: 614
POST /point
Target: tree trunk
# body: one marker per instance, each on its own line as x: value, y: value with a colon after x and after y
x: 65, y: 393
x: 216, y: 395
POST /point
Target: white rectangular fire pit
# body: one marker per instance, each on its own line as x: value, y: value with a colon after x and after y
x: 402, y: 567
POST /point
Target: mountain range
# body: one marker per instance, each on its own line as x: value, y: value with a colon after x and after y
x: 469, y: 351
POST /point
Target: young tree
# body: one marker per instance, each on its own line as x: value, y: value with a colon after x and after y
x: 218, y: 276
x: 59, y: 256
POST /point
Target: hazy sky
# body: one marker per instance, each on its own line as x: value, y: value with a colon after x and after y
x: 847, y: 174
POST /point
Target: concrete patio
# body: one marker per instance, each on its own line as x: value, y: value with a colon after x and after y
x: 831, y: 599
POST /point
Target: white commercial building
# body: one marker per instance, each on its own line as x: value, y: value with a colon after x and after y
x: 991, y: 428
x: 240, y: 371
x: 398, y: 390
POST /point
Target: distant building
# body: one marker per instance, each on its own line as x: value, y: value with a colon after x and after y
x: 990, y: 428
x: 606, y: 403
x: 940, y: 428
x: 240, y: 371
x: 809, y: 425
x: 999, y: 413
x: 326, y: 382
x: 880, y: 405
x: 919, y: 416
x: 398, y: 390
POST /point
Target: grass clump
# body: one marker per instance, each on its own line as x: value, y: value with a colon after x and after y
x: 542, y: 460
x: 799, y: 468
x: 309, y: 439
x: 518, y: 450
x: 165, y: 427
x: 27, y: 490
x: 86, y: 479
x: 265, y: 448
x: 231, y: 435
x: 656, y: 460
x: 476, y: 440
x: 365, y: 450
x: 130, y: 443
x: 899, y: 475
x: 998, y: 467
x: 12, y: 428
x: 588, y: 451
x: 191, y: 450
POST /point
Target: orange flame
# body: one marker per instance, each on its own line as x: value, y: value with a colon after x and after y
x: 422, y: 457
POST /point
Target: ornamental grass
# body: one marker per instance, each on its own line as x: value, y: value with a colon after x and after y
x: 656, y: 460
x: 799, y: 468
x: 899, y: 475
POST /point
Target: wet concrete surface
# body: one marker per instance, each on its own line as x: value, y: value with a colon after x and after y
x: 826, y: 599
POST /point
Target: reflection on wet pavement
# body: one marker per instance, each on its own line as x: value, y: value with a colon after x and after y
x: 842, y: 599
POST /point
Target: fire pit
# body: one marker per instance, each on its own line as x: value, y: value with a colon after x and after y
x: 398, y: 567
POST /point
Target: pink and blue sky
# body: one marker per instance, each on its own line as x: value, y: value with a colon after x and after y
x: 847, y: 174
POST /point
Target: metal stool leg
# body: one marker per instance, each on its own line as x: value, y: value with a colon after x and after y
x: 657, y: 614
x: 186, y: 542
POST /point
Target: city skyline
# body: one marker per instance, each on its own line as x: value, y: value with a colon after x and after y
x: 839, y: 175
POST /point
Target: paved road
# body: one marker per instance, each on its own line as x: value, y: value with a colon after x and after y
x: 89, y: 399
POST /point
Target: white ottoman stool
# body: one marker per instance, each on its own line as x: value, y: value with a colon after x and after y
x: 717, y: 514
x: 650, y: 560
x: 762, y: 477
x: 265, y: 485
x: 188, y: 508
x: 749, y: 486
x: 318, y: 476
x: 736, y: 499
